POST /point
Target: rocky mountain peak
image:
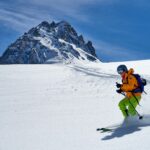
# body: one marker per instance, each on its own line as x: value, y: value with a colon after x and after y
x: 47, y: 43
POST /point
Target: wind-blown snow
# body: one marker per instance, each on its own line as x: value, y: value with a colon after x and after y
x: 59, y: 107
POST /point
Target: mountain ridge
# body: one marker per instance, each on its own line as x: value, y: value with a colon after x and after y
x: 49, y: 43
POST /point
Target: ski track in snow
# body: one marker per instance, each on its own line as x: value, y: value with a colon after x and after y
x: 60, y: 106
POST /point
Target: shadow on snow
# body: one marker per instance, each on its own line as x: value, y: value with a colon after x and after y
x: 128, y: 127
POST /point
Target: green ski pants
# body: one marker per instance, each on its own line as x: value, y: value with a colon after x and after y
x: 128, y: 105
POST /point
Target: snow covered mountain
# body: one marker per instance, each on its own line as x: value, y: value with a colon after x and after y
x: 59, y: 107
x: 49, y: 43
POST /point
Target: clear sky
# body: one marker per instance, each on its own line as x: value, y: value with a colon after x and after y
x: 118, y: 29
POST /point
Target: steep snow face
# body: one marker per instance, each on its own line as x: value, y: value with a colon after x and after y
x: 43, y: 44
x: 60, y: 106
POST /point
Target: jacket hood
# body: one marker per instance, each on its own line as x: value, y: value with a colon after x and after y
x: 130, y: 71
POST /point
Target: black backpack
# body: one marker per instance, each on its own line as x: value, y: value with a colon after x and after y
x: 141, y: 83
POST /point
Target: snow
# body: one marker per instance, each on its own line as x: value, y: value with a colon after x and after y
x: 46, y: 42
x: 83, y: 54
x: 59, y: 107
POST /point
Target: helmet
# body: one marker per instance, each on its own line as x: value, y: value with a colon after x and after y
x: 121, y: 69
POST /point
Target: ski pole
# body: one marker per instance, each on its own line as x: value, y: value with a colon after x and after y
x: 140, y: 117
x: 135, y: 98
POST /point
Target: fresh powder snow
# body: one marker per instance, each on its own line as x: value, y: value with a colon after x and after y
x: 59, y: 107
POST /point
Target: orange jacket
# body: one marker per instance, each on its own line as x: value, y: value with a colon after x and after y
x: 129, y: 84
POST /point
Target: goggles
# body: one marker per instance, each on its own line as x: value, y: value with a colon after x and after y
x: 120, y: 71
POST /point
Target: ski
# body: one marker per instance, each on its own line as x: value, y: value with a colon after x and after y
x: 108, y: 128
x: 128, y: 122
x: 104, y: 130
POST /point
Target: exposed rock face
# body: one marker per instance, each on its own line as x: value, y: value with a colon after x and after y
x: 49, y: 43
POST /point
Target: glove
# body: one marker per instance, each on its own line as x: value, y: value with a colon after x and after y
x: 119, y: 91
x: 118, y: 85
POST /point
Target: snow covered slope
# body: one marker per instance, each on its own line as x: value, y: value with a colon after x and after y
x: 59, y: 107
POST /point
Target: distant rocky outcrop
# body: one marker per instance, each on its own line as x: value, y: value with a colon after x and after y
x: 49, y: 43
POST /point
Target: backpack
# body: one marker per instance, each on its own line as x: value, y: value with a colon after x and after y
x: 141, y: 83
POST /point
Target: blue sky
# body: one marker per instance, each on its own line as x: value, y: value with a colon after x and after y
x: 118, y: 29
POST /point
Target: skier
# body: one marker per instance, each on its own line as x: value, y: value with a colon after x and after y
x: 129, y: 84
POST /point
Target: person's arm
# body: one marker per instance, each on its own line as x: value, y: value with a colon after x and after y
x: 130, y: 86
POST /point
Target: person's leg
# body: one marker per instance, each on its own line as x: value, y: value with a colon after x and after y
x: 123, y: 106
x: 133, y: 104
